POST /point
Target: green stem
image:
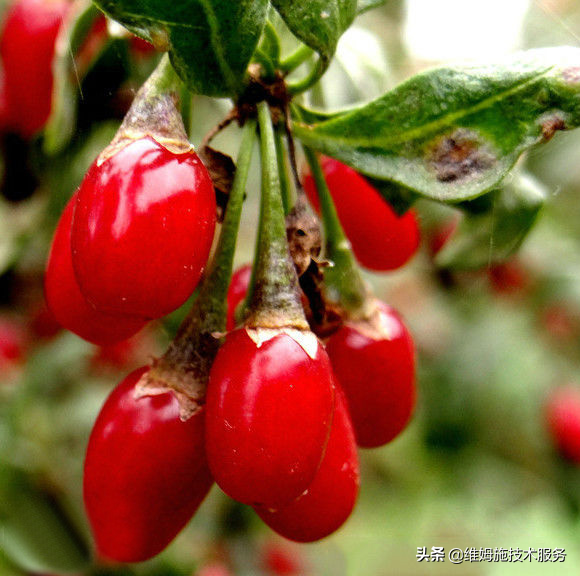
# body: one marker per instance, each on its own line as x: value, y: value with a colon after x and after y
x: 296, y: 59
x: 266, y: 63
x: 163, y: 79
x: 285, y: 186
x: 271, y: 42
x: 154, y: 113
x: 317, y: 71
x: 275, y: 298
x: 343, y: 279
x: 186, y: 364
x: 214, y: 290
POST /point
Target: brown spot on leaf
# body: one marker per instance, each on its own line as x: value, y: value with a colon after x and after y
x: 551, y: 123
x: 459, y: 155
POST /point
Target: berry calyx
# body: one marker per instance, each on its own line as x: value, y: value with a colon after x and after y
x: 27, y: 49
x: 268, y: 413
x: 65, y: 300
x: 330, y: 499
x: 145, y: 472
x: 380, y: 239
x: 373, y: 361
x: 563, y: 420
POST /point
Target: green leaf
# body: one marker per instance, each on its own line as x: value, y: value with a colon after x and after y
x: 317, y: 23
x: 453, y: 133
x: 210, y: 42
x: 66, y: 88
x: 488, y: 236
x: 34, y: 533
x: 313, y: 116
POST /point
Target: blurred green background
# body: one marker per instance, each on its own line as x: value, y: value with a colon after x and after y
x: 475, y: 469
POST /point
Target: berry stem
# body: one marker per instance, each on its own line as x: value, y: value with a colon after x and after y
x: 271, y: 42
x: 186, y: 364
x: 285, y: 186
x: 296, y: 59
x: 345, y: 285
x: 300, y: 86
x: 274, y: 294
x: 268, y: 67
x: 154, y: 113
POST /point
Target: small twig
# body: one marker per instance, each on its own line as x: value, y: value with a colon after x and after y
x: 292, y: 151
x: 231, y: 116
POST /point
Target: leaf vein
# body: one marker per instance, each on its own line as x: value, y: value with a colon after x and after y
x: 435, y: 125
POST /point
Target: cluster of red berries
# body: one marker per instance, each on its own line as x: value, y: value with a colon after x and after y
x: 279, y: 425
x: 283, y: 414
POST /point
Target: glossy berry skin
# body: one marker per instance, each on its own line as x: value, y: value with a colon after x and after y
x: 563, y: 419
x: 380, y: 239
x: 27, y: 50
x: 268, y: 416
x: 377, y: 376
x: 145, y: 473
x: 237, y: 292
x: 65, y: 300
x: 331, y: 497
x: 143, y: 228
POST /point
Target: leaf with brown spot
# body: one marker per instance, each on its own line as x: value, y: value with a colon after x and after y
x: 453, y: 133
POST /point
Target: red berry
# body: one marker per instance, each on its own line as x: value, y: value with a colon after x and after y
x: 563, y: 417
x: 142, y: 230
x: 509, y: 278
x: 376, y: 370
x: 268, y: 416
x: 27, y: 50
x: 380, y: 239
x: 331, y: 497
x: 65, y: 300
x: 237, y: 292
x: 4, y: 115
x: 279, y: 560
x: 93, y: 43
x: 145, y: 473
x: 42, y: 323
x: 441, y: 234
x: 12, y: 342
x: 140, y: 47
x: 560, y: 321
